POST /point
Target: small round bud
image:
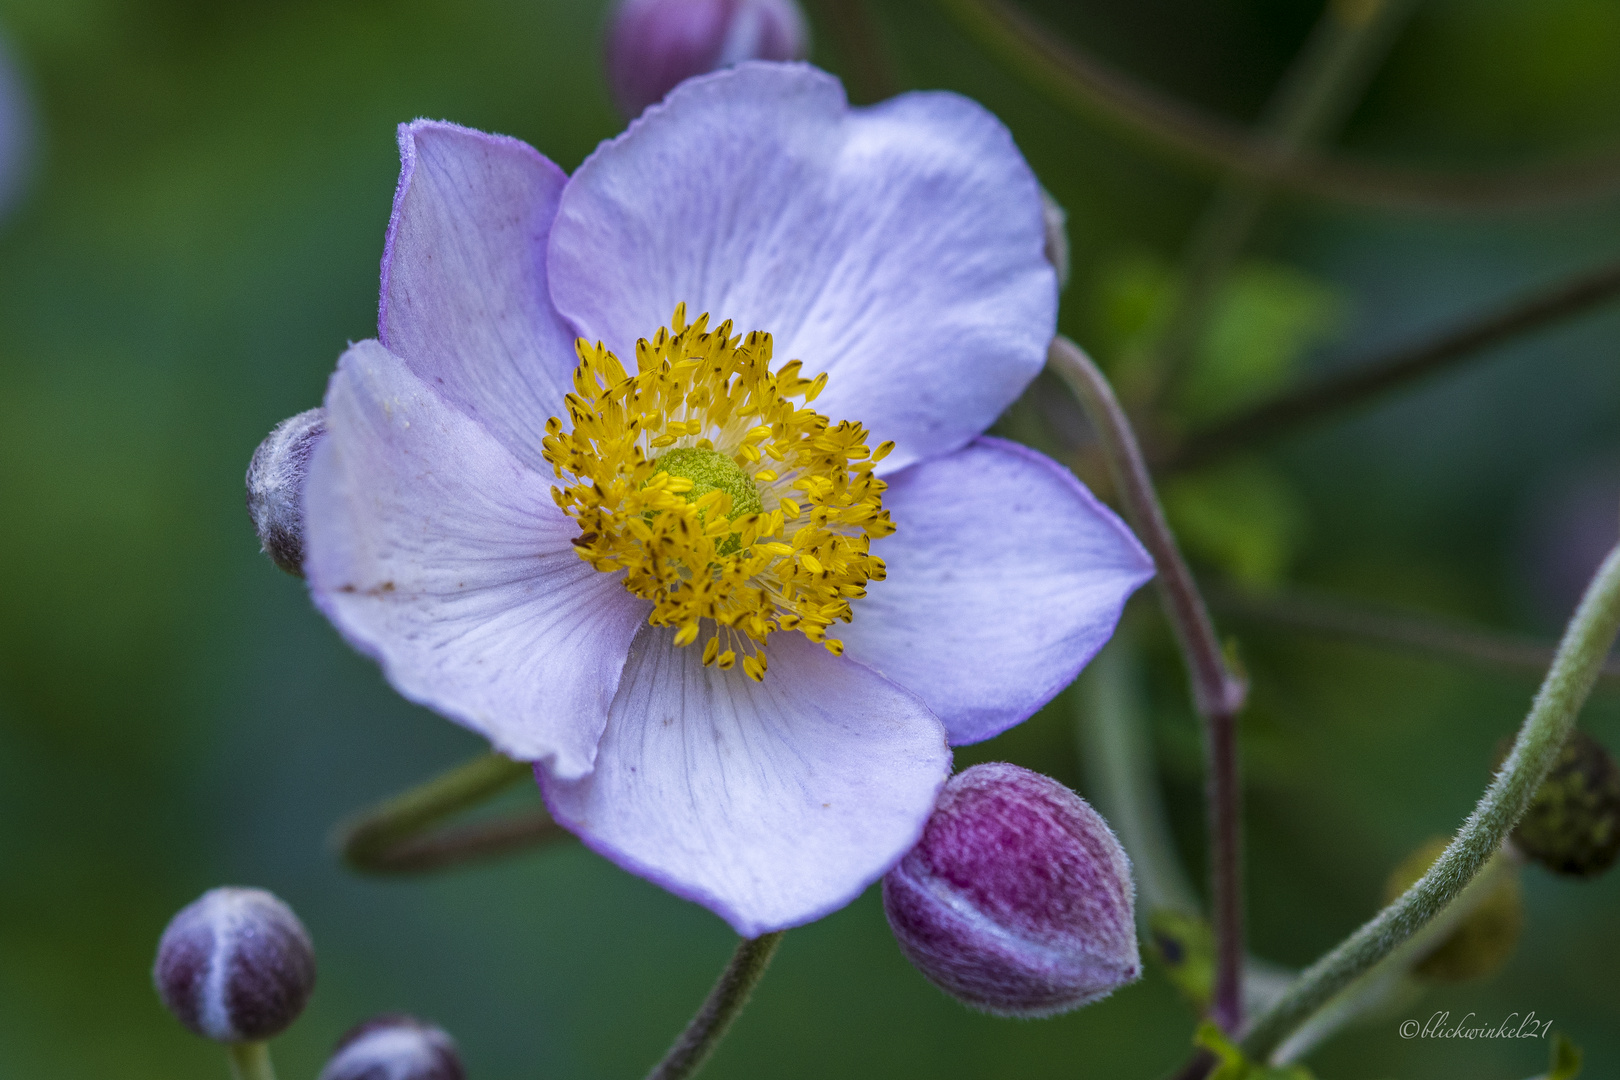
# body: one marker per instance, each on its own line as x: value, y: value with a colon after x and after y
x: 1572, y: 825
x: 1485, y: 938
x: 394, y: 1047
x: 235, y: 966
x: 275, y: 487
x: 654, y: 44
x: 1018, y: 899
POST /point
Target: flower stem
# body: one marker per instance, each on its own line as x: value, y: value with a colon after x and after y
x: 1218, y: 694
x: 1401, y: 368
x: 724, y: 1002
x: 251, y: 1061
x: 375, y: 839
x: 1586, y: 642
x: 1117, y: 754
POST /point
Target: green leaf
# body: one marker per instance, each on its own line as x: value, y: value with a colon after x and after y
x: 1232, y: 1065
x: 1243, y: 517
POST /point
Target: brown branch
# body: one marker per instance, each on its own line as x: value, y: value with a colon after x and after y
x: 1397, y: 630
x: 1393, y: 371
x: 1218, y: 694
x: 1095, y: 89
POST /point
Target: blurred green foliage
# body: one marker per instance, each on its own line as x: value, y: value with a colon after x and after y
x: 202, y: 240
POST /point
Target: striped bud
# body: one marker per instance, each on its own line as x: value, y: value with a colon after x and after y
x: 1018, y: 899
x: 654, y: 44
x: 235, y: 966
x: 394, y: 1047
x: 275, y: 487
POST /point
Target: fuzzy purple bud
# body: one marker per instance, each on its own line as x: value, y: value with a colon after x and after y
x: 235, y: 966
x: 1018, y: 899
x: 394, y: 1047
x: 275, y: 487
x: 654, y: 44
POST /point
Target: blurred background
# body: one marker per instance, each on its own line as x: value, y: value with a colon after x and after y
x: 193, y: 198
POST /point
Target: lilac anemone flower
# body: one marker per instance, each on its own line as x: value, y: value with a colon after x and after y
x: 568, y: 552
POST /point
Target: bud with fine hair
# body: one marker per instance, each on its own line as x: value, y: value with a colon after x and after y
x: 1572, y: 825
x: 394, y: 1047
x: 1018, y: 899
x: 275, y: 487
x: 654, y: 44
x: 235, y: 966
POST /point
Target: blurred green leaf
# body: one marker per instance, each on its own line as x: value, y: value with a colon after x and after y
x: 1183, y: 943
x: 1243, y: 518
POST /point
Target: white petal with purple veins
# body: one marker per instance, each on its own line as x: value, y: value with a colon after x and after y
x: 435, y: 550
x: 773, y: 803
x: 898, y: 247
x: 1005, y: 576
x: 464, y: 296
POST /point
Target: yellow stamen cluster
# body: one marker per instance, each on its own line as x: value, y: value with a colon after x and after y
x: 795, y: 564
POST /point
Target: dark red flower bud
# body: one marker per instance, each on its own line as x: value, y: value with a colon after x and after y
x: 235, y: 966
x: 275, y: 487
x: 1018, y: 899
x: 654, y: 44
x: 394, y: 1047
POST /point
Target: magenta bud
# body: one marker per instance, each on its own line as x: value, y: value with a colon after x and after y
x: 394, y: 1047
x: 275, y: 487
x: 654, y: 44
x: 1018, y: 899
x: 235, y: 966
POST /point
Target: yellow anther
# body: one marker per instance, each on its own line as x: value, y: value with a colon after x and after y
x: 702, y: 392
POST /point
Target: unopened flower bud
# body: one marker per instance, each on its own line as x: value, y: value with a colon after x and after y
x: 394, y: 1047
x: 1483, y: 940
x: 654, y: 44
x: 275, y: 487
x: 235, y: 966
x: 1572, y: 825
x: 1018, y: 899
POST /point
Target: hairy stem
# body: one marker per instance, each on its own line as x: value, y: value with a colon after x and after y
x: 250, y: 1061
x: 373, y: 839
x: 1117, y: 755
x: 1397, y: 370
x: 1586, y: 642
x: 1093, y: 89
x: 1218, y: 694
x: 724, y: 1002
x: 1399, y: 630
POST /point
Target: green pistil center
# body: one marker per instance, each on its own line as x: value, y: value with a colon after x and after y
x: 710, y: 470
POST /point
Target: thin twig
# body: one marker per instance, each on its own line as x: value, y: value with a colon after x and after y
x: 724, y: 1002
x: 1218, y: 694
x: 1581, y: 653
x: 1312, y: 101
x: 1399, y: 630
x: 868, y: 69
x: 1403, y: 367
x: 369, y: 842
x: 475, y: 841
x: 1095, y: 89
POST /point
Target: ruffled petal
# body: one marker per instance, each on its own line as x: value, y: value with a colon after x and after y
x: 464, y: 295
x: 898, y: 248
x: 433, y: 549
x: 1005, y: 576
x: 771, y: 803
